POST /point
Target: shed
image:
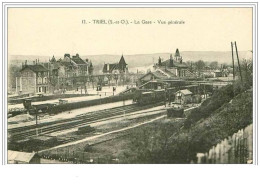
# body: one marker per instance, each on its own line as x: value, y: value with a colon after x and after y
x: 218, y: 73
x: 17, y: 157
x: 183, y: 96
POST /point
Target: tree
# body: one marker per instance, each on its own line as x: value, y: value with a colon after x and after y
x: 116, y: 77
x: 214, y: 65
x: 101, y: 80
x: 91, y: 68
x: 200, y: 65
x: 190, y: 65
x: 86, y: 80
x: 247, y: 71
x: 53, y: 82
x: 92, y: 80
x: 109, y: 78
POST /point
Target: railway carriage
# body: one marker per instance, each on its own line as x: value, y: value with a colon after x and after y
x: 145, y: 96
x: 142, y: 97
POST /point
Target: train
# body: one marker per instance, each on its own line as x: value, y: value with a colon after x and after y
x: 148, y: 96
x: 36, y: 109
x: 144, y: 97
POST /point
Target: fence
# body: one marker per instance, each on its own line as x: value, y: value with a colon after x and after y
x: 236, y: 149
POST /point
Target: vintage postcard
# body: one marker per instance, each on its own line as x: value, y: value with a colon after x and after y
x: 150, y: 84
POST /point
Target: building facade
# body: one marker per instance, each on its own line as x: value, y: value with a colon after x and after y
x: 116, y: 68
x: 69, y: 72
x: 183, y: 96
x: 173, y: 68
x: 34, y: 79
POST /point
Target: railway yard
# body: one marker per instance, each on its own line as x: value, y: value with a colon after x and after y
x: 98, y: 130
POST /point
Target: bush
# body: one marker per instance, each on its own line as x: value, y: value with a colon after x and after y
x: 167, y: 142
x: 220, y: 97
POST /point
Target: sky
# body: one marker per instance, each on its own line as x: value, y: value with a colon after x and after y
x: 55, y: 31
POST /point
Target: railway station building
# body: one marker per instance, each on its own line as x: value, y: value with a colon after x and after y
x: 34, y: 79
x: 173, y: 68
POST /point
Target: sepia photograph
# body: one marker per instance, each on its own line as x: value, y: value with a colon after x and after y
x: 130, y: 85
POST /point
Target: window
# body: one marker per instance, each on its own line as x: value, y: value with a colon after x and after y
x: 39, y: 80
x: 40, y: 89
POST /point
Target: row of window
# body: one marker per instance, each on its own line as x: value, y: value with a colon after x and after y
x: 42, y: 74
x: 28, y: 74
x: 43, y: 89
x: 42, y: 80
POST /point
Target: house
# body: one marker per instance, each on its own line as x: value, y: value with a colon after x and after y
x: 116, y: 68
x: 63, y: 71
x: 34, y: 79
x: 173, y: 68
x: 16, y: 157
x: 183, y: 96
x: 74, y: 65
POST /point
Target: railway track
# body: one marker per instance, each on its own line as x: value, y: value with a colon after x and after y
x: 81, y: 120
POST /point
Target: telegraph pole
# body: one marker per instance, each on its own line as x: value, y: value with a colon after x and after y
x: 36, y: 120
x: 238, y: 62
x: 233, y: 61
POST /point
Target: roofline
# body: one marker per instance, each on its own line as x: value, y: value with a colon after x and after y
x: 27, y: 66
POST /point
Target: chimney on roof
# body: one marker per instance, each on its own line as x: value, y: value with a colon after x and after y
x: 25, y: 63
x: 87, y: 60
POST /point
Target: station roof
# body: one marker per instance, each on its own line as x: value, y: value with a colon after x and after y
x: 185, y: 92
x: 146, y: 92
x: 20, y: 156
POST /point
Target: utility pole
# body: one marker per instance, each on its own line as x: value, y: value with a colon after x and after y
x: 36, y: 120
x: 238, y: 62
x: 165, y: 96
x: 233, y: 61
